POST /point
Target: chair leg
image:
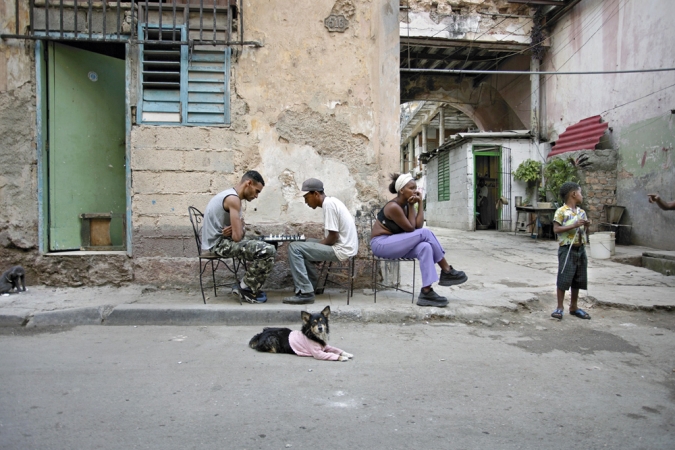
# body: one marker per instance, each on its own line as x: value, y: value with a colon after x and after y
x: 352, y: 264
x: 213, y: 275
x: 374, y: 273
x: 325, y: 279
x: 201, y: 284
x: 413, y: 287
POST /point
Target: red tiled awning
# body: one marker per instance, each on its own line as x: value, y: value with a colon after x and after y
x: 584, y: 135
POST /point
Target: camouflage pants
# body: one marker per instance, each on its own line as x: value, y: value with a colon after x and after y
x: 258, y: 255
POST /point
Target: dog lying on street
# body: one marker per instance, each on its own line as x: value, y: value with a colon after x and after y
x: 311, y: 340
x: 11, y: 279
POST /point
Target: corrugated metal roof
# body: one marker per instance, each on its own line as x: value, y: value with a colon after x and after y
x: 584, y: 135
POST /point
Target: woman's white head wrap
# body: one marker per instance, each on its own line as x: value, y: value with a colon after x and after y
x: 402, y: 180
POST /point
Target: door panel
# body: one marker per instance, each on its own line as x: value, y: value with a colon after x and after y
x: 86, y: 141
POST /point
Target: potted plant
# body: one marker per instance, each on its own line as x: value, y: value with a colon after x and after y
x: 529, y: 171
x: 556, y: 173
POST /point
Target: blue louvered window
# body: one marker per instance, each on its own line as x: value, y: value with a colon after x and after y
x: 181, y: 85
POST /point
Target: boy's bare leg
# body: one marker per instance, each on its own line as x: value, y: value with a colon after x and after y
x: 573, y: 302
x: 561, y: 297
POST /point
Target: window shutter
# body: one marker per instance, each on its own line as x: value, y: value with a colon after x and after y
x: 444, y: 176
x: 160, y: 79
x: 208, y: 86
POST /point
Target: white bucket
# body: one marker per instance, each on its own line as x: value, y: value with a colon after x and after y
x: 601, y: 246
x: 612, y: 240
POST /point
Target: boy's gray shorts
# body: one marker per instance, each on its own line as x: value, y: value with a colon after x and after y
x: 575, y: 274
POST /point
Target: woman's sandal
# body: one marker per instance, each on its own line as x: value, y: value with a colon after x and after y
x: 580, y: 313
x: 558, y: 314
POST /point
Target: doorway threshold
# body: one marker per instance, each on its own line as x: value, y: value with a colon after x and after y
x: 87, y: 253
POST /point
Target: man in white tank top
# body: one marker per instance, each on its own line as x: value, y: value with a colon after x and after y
x: 223, y: 233
x: 340, y: 242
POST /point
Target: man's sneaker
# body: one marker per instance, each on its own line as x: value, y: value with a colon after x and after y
x: 248, y: 296
x: 452, y: 278
x: 300, y: 299
x: 431, y: 298
x: 261, y: 297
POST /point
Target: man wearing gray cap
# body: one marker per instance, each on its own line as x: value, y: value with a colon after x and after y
x: 340, y: 242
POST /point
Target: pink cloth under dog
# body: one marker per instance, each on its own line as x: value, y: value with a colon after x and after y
x: 303, y: 346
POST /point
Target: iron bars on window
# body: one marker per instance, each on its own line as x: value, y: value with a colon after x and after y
x: 208, y: 22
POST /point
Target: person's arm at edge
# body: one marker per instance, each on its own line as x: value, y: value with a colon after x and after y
x: 656, y: 198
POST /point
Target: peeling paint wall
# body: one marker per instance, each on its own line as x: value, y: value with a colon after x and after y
x: 18, y: 161
x: 465, y: 19
x: 616, y: 35
x: 309, y: 103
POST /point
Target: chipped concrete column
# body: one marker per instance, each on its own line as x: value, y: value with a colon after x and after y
x: 424, y: 139
x: 441, y: 126
x: 534, y: 98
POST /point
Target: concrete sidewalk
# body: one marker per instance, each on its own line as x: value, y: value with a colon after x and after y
x: 508, y: 275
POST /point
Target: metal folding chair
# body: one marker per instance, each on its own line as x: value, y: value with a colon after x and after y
x: 376, y: 263
x: 328, y: 270
x: 207, y: 259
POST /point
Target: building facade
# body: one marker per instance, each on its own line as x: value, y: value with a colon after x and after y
x: 142, y: 111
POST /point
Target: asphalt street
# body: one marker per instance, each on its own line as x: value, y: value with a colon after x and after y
x: 532, y: 383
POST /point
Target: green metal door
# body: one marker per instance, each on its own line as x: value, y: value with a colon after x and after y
x: 86, y: 142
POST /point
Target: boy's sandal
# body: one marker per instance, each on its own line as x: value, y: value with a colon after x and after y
x: 558, y: 314
x: 580, y: 313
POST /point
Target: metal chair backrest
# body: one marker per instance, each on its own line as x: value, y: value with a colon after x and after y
x: 196, y: 219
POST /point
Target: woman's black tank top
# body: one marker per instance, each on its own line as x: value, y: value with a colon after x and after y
x: 388, y: 223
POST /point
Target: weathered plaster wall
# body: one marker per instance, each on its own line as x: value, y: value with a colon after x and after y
x: 18, y: 163
x: 453, y: 213
x: 309, y: 103
x: 616, y: 35
x: 465, y: 19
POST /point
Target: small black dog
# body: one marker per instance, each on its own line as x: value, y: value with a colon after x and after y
x: 310, y: 341
x: 13, y: 278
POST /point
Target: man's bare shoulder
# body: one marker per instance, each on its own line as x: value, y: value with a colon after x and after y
x: 232, y: 202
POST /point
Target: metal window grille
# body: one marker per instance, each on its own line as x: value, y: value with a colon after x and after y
x: 504, y: 222
x: 208, y: 22
x: 444, y: 176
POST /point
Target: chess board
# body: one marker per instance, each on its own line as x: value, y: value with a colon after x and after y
x: 282, y: 237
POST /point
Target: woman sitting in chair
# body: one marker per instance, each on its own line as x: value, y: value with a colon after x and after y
x: 399, y: 232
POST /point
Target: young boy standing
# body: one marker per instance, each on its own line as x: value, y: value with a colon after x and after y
x: 571, y: 225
